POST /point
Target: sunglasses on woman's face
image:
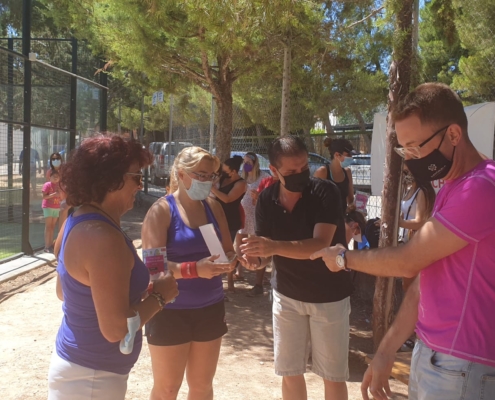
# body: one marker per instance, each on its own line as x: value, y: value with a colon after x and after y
x: 137, y: 177
x: 56, y: 158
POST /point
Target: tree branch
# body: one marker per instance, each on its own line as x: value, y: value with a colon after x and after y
x: 373, y: 13
x: 206, y: 68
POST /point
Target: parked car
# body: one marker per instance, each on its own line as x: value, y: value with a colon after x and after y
x: 316, y: 161
x: 264, y: 163
x: 361, y: 170
x: 160, y: 169
x: 155, y: 147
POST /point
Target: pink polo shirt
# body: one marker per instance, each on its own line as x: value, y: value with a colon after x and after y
x: 457, y: 302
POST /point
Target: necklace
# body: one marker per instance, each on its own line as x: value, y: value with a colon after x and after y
x: 111, y: 219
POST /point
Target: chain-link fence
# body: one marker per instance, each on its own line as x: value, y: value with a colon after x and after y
x: 11, y: 137
x: 63, y: 109
x: 178, y: 121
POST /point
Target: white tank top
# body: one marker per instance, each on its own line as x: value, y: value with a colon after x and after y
x: 408, y: 210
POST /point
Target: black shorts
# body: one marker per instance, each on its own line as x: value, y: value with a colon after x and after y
x: 174, y: 327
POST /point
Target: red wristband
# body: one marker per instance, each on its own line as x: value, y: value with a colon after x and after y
x: 188, y: 270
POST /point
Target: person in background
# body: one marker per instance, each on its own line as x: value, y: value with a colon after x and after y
x: 34, y: 159
x: 101, y: 279
x: 448, y: 304
x: 55, y: 164
x: 355, y: 226
x: 311, y: 306
x: 253, y: 176
x: 416, y: 208
x: 338, y: 171
x: 230, y: 191
x: 186, y: 336
x: 51, y: 208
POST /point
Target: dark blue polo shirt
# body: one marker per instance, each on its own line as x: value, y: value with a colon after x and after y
x: 304, y: 280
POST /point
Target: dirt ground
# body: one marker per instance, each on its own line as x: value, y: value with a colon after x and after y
x: 30, y: 315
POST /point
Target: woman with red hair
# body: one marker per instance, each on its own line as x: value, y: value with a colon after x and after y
x: 101, y: 279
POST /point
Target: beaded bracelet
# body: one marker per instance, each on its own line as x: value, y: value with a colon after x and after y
x: 158, y: 298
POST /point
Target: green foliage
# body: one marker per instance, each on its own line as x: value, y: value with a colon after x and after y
x: 440, y: 46
x: 474, y: 23
x: 315, y: 131
x: 186, y: 46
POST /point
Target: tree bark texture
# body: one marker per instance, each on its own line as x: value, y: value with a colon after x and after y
x: 365, y: 142
x: 399, y: 84
x: 309, y: 140
x: 286, y: 81
x: 326, y: 122
x: 259, y: 134
x: 224, y: 122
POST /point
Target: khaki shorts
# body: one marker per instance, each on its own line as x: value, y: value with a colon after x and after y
x: 322, y: 328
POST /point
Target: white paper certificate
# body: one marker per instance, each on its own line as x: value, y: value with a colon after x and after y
x: 214, y: 245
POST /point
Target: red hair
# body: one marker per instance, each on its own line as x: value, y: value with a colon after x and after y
x: 98, y: 166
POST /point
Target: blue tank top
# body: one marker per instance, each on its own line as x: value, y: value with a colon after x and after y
x: 79, y: 339
x: 186, y: 244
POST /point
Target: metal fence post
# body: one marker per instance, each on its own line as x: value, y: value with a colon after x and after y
x: 212, y: 123
x: 73, y: 99
x: 170, y: 128
x: 141, y: 138
x: 104, y: 99
x: 26, y: 171
x: 10, y: 129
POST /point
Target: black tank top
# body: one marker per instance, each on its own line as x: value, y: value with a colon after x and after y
x: 343, y: 187
x: 232, y: 210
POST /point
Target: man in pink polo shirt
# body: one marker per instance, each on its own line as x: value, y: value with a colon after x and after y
x: 451, y: 302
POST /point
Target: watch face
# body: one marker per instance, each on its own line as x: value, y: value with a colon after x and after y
x: 340, y: 261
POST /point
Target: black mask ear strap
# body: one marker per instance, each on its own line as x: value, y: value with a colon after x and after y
x: 445, y: 134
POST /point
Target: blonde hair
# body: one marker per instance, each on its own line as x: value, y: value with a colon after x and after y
x: 187, y: 160
x: 256, y: 166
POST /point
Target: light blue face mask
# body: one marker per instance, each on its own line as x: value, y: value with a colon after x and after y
x: 347, y: 161
x: 133, y: 325
x: 56, y: 163
x: 199, y: 190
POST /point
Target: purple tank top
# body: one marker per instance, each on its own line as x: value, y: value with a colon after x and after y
x: 186, y: 244
x: 79, y: 339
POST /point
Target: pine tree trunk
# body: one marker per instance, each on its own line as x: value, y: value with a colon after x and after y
x: 399, y: 81
x: 285, y: 112
x: 364, y: 135
x: 224, y: 120
x: 328, y: 125
x: 259, y: 134
x: 309, y: 140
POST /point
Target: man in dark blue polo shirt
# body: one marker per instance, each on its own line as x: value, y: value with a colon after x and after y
x: 311, y: 306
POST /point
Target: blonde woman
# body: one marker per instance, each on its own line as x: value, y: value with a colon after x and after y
x: 186, y: 335
x: 252, y: 175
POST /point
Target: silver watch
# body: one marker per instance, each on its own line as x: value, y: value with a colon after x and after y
x: 341, y: 261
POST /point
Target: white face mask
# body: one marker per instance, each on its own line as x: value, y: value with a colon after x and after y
x: 199, y: 190
x: 358, y: 238
x: 56, y: 163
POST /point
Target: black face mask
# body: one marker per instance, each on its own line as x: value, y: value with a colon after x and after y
x: 430, y: 168
x: 297, y: 182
